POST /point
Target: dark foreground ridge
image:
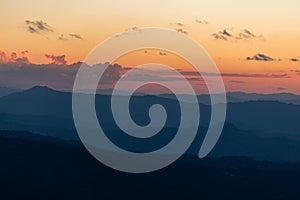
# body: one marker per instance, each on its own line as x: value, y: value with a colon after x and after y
x: 38, y: 167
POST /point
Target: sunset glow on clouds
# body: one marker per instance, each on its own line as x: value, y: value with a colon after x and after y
x: 255, y: 44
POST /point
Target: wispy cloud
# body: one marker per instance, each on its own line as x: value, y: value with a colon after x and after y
x: 38, y: 26
x: 149, y: 77
x: 76, y: 36
x: 225, y: 33
x: 281, y: 88
x: 246, y: 34
x: 239, y: 75
x: 239, y: 82
x: 127, y: 30
x: 230, y: 34
x: 62, y: 37
x: 134, y: 28
x: 180, y: 27
x: 256, y: 75
x: 70, y: 36
x: 218, y: 36
x: 260, y: 57
x: 178, y: 24
x: 201, y: 21
x: 57, y: 60
x: 181, y: 30
x: 222, y: 35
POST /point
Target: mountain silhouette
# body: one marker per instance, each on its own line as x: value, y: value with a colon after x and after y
x: 37, y: 101
x: 40, y: 167
x: 260, y: 129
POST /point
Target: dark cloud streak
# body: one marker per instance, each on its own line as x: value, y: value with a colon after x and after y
x: 191, y: 73
x: 178, y: 24
x: 294, y: 60
x: 281, y: 88
x: 76, y: 36
x: 201, y: 21
x: 38, y: 26
x: 260, y: 57
x: 239, y: 82
x: 70, y: 36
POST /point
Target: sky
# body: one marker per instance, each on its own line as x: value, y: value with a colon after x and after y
x: 255, y: 44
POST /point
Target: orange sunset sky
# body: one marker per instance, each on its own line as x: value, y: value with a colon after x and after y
x: 255, y: 44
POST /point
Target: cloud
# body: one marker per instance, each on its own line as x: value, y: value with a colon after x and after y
x: 135, y: 28
x: 76, y: 36
x: 143, y: 74
x: 246, y: 34
x: 222, y: 35
x: 279, y: 76
x: 53, y: 75
x: 194, y: 78
x: 38, y: 26
x: 29, y: 75
x: 149, y: 77
x: 294, y: 59
x: 218, y: 36
x: 112, y: 74
x: 256, y: 75
x: 227, y: 34
x: 180, y: 30
x: 60, y: 75
x: 57, y: 60
x: 180, y: 27
x: 260, y: 57
x: 239, y: 82
x: 281, y: 88
x: 178, y: 24
x: 201, y: 21
x: 191, y: 73
x: 126, y: 31
x: 63, y: 37
x: 13, y: 58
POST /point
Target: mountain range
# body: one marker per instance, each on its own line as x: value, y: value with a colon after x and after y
x: 261, y: 129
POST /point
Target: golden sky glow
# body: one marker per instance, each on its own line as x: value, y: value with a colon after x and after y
x: 274, y: 23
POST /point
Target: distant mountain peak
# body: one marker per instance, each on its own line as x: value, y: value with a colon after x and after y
x: 40, y: 88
